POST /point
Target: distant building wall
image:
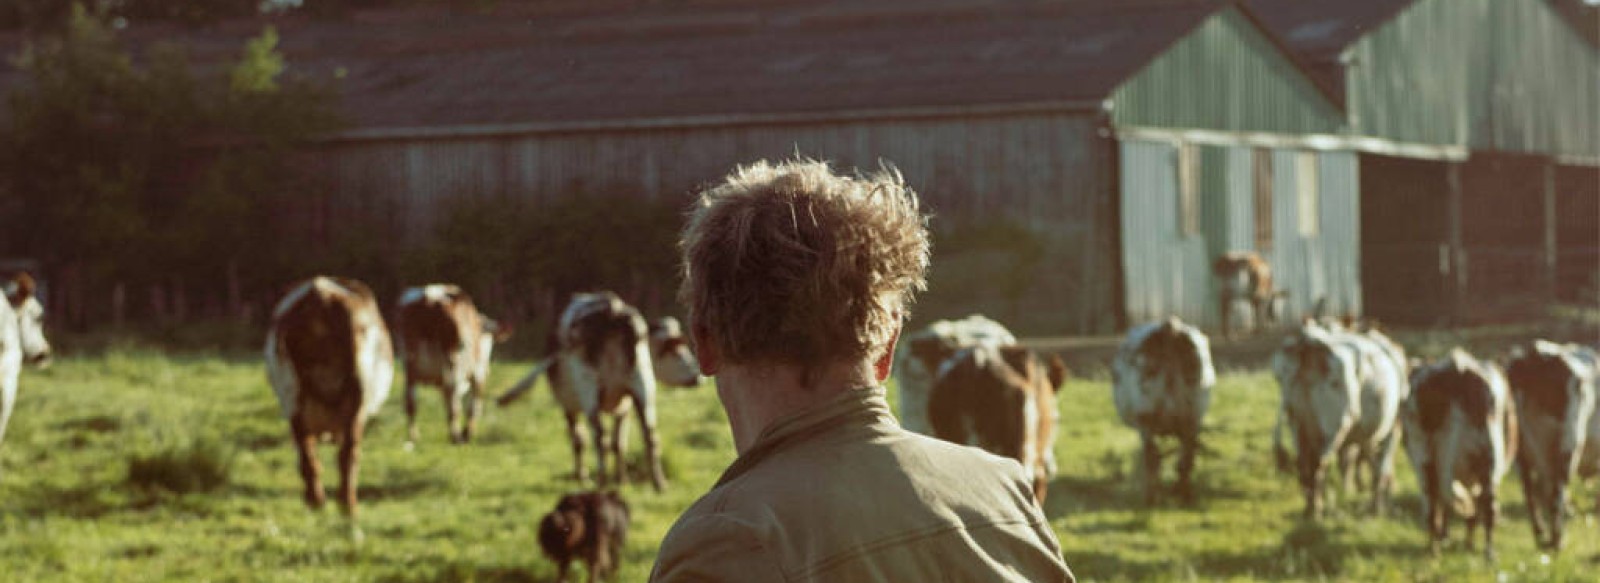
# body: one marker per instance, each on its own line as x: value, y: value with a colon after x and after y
x: 1043, y: 172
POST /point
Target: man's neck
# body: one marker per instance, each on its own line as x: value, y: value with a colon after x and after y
x: 756, y: 396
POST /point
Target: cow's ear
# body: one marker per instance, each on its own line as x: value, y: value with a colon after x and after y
x: 21, y: 288
x: 1058, y: 372
x: 501, y: 332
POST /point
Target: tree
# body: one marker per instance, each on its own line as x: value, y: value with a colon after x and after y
x: 152, y: 176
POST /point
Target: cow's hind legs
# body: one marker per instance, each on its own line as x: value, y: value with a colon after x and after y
x: 474, y: 411
x: 1531, y: 493
x: 652, y: 444
x: 349, y: 465
x: 411, y: 411
x: 598, y: 428
x: 305, y: 444
x: 619, y: 437
x: 452, y: 414
x: 575, y: 436
x: 1152, y: 467
x: 1488, y: 514
x: 1189, y: 444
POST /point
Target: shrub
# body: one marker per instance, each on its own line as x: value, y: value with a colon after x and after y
x: 200, y: 465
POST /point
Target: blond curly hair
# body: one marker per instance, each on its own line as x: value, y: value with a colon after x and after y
x: 790, y: 263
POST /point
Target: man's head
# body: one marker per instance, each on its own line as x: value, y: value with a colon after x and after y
x: 791, y: 264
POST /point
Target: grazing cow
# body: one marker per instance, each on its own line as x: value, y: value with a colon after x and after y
x: 21, y: 341
x: 446, y: 342
x: 331, y: 363
x: 1001, y: 399
x: 1461, y: 434
x: 600, y: 363
x: 1554, y: 392
x: 1161, y: 380
x: 670, y: 358
x: 1341, y: 394
x: 1245, y: 277
x: 922, y: 353
x: 588, y: 526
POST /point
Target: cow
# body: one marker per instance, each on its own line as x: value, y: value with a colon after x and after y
x: 1553, y: 389
x: 1003, y: 400
x: 671, y: 359
x: 1461, y: 435
x: 588, y: 526
x: 22, y: 341
x: 446, y: 342
x: 1341, y: 392
x: 600, y: 362
x: 1245, y: 277
x: 1161, y: 379
x: 331, y: 363
x: 1589, y: 459
x: 922, y: 352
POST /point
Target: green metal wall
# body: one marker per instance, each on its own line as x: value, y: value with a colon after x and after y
x: 1226, y: 75
x: 1506, y: 75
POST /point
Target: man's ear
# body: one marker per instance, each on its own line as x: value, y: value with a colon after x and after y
x: 705, y: 351
x: 885, y: 362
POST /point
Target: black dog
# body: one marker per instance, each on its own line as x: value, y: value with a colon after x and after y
x: 590, y: 526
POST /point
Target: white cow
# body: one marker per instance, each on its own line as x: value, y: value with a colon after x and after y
x: 22, y: 341
x: 1461, y: 434
x: 601, y: 363
x: 331, y: 363
x: 1553, y: 388
x: 1161, y: 380
x: 1341, y: 393
x: 920, y: 355
x: 447, y: 343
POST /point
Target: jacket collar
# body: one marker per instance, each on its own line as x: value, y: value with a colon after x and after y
x: 863, y: 407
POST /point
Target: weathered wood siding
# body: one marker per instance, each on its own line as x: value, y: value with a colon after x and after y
x: 1044, y: 172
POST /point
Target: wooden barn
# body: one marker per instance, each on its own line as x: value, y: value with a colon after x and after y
x: 1115, y: 147
x: 1495, y: 210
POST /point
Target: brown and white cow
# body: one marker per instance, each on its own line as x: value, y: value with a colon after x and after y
x: 1003, y: 400
x: 22, y: 341
x: 671, y: 359
x: 1245, y: 277
x: 1341, y: 392
x: 331, y: 364
x: 600, y: 363
x: 1161, y: 379
x: 1461, y: 434
x: 447, y: 343
x: 1554, y: 392
x: 1589, y: 459
x: 921, y: 353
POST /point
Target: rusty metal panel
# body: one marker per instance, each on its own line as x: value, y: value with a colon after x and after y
x: 1165, y: 271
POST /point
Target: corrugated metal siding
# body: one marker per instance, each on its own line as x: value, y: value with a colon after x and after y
x: 1165, y: 272
x: 1045, y: 172
x: 1226, y: 75
x: 1324, y: 265
x: 1503, y: 75
x: 1168, y: 274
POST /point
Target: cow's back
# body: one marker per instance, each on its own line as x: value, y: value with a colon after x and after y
x: 328, y: 352
x: 1162, y: 376
x: 432, y: 334
x: 918, y: 361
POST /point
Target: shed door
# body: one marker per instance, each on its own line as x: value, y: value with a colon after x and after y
x: 1163, y: 249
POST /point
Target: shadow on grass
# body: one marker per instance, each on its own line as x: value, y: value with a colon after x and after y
x: 83, y: 501
x: 1308, y: 550
x: 463, y: 573
x: 1074, y: 493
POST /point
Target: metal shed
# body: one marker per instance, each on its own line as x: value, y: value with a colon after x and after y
x: 1070, y: 119
x: 1497, y: 104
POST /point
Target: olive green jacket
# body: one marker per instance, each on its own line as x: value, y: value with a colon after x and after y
x: 840, y: 493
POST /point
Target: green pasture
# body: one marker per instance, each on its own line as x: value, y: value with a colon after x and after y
x: 133, y: 464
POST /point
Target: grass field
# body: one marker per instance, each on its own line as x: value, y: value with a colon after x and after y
x: 71, y: 510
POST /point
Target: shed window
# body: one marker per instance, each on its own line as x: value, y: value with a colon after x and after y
x: 1309, y: 198
x: 1188, y: 190
x: 1261, y: 171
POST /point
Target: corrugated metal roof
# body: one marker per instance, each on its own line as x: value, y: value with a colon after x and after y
x: 411, y: 71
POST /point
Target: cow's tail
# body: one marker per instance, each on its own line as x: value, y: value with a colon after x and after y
x: 1280, y: 453
x: 516, y: 391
